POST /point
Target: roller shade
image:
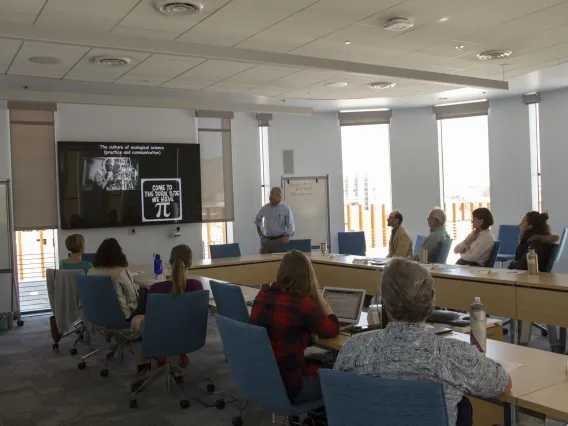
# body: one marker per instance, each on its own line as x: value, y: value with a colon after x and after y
x: 361, y: 118
x: 264, y: 120
x: 531, y: 98
x: 203, y: 113
x: 32, y: 142
x: 470, y: 109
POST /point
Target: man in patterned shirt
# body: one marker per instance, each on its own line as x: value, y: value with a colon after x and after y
x: 406, y: 350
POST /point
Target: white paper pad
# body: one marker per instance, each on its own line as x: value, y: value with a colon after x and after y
x: 508, y: 366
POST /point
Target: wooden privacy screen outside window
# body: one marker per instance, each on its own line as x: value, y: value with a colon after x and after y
x: 33, y: 166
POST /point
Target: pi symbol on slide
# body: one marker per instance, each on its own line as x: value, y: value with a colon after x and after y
x: 165, y: 206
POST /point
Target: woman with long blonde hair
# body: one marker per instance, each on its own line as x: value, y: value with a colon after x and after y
x: 292, y: 309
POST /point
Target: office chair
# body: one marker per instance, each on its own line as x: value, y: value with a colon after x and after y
x: 88, y: 257
x: 352, y: 243
x: 219, y: 251
x: 255, y: 371
x: 443, y: 252
x: 64, y: 302
x: 509, y: 237
x: 229, y: 301
x: 418, y: 245
x: 493, y: 255
x: 354, y: 399
x: 173, y: 325
x: 102, y: 310
x: 300, y: 245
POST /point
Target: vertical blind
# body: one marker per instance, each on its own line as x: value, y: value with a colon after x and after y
x: 32, y: 142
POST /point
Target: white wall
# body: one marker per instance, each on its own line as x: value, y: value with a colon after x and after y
x: 316, y: 141
x: 93, y: 123
x: 509, y: 161
x: 246, y: 180
x: 5, y: 162
x: 415, y: 166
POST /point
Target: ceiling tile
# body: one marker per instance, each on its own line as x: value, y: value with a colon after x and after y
x: 241, y: 19
x: 211, y: 72
x: 187, y: 85
x: 8, y: 49
x: 99, y: 14
x: 226, y: 88
x: 539, y: 41
x: 88, y: 71
x: 24, y: 7
x: 264, y: 91
x: 260, y: 75
x: 68, y: 55
x: 136, y: 32
x: 145, y: 16
x: 158, y: 69
x: 17, y: 18
x: 448, y: 49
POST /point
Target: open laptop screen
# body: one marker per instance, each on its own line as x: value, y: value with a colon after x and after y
x: 345, y: 303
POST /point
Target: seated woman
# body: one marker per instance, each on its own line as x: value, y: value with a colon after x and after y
x: 408, y: 293
x: 535, y: 233
x: 76, y: 245
x: 180, y: 260
x: 476, y: 248
x: 110, y: 260
x: 291, y: 309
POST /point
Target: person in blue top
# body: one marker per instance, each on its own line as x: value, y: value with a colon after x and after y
x: 75, y: 243
x: 274, y: 223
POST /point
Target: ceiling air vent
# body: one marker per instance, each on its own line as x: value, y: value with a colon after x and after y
x: 178, y: 8
x: 489, y: 55
x: 382, y: 85
x: 398, y: 24
x: 111, y: 61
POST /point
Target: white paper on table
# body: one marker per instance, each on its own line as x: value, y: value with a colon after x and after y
x: 508, y: 366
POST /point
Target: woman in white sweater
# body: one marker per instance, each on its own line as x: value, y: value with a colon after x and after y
x: 476, y: 248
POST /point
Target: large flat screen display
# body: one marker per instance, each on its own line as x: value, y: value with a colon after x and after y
x: 105, y: 185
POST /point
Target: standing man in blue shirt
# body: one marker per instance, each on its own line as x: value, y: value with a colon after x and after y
x: 278, y: 224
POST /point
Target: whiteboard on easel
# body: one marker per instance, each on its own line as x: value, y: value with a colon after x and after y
x: 308, y: 198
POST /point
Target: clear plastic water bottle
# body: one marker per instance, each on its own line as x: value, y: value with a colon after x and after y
x: 157, y: 265
x: 532, y: 261
x: 477, y: 324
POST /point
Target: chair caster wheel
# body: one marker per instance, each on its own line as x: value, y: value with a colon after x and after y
x: 73, y: 351
x: 544, y: 333
x: 184, y: 404
x: 179, y: 380
x: 210, y: 388
x: 220, y: 404
x: 135, y: 385
x: 133, y: 403
x: 20, y: 323
x: 55, y: 346
x: 104, y: 373
x: 82, y: 365
x: 109, y: 355
x: 505, y: 331
x: 237, y: 421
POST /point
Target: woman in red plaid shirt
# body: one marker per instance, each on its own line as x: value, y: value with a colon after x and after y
x: 291, y: 310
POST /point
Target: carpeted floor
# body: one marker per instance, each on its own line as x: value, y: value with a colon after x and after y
x: 41, y: 387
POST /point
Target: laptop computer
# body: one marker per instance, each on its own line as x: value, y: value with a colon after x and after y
x: 346, y: 303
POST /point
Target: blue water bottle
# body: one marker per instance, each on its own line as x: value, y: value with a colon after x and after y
x: 157, y: 265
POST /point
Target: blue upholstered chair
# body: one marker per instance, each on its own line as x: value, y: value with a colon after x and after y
x: 419, y: 241
x: 509, y: 237
x: 352, y: 243
x: 255, y: 371
x: 229, y: 301
x: 300, y: 245
x: 493, y: 255
x: 219, y: 251
x: 557, y: 251
x: 354, y: 399
x: 173, y: 325
x: 443, y: 252
x: 88, y: 257
x: 102, y: 310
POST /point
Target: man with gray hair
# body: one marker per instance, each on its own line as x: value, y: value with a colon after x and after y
x: 407, y: 349
x: 437, y: 224
x: 274, y: 223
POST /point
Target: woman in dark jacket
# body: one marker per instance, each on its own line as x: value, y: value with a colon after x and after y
x: 535, y: 233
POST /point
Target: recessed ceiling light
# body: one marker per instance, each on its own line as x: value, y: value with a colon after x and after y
x: 444, y: 19
x: 380, y: 85
x: 398, y: 24
x: 336, y: 84
x: 346, y: 42
x: 178, y: 8
x: 460, y: 47
x: 494, y: 54
x: 442, y: 99
x: 44, y: 60
x: 111, y: 61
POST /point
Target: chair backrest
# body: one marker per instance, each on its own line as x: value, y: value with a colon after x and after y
x: 88, y: 257
x: 352, y: 243
x: 252, y: 363
x: 229, y: 301
x: 509, y: 237
x: 493, y: 255
x: 175, y: 325
x: 418, y: 245
x: 219, y: 251
x: 443, y: 251
x: 99, y: 302
x: 353, y: 399
x: 300, y: 245
x: 556, y: 251
x: 63, y: 297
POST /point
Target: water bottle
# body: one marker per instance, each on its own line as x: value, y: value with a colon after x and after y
x: 157, y: 265
x: 477, y: 323
x: 532, y: 261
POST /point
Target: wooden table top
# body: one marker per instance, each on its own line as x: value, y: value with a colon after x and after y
x: 552, y: 401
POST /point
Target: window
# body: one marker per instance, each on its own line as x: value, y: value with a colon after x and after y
x: 464, y: 165
x: 536, y: 185
x: 367, y: 183
x: 264, y: 163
